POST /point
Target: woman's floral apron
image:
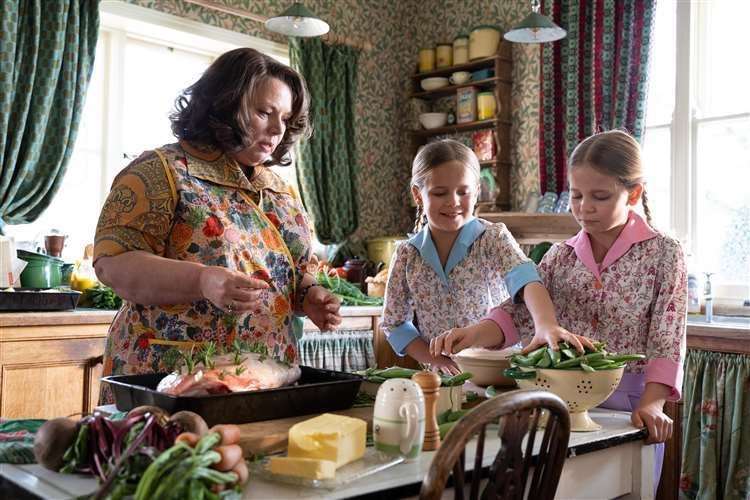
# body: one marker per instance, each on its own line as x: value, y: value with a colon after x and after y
x: 220, y: 218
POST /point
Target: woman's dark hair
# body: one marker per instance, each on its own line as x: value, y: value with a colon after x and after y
x: 215, y: 110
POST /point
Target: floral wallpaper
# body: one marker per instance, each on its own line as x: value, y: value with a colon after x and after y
x: 396, y: 29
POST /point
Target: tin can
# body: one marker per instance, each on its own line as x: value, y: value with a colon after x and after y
x: 444, y: 55
x: 426, y: 60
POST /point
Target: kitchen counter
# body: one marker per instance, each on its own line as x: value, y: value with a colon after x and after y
x: 604, y: 464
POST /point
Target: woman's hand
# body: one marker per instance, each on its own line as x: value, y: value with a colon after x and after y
x: 652, y: 416
x: 453, y: 341
x: 232, y: 291
x: 322, y: 307
x: 551, y: 334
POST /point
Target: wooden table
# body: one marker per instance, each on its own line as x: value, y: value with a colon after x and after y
x: 605, y: 464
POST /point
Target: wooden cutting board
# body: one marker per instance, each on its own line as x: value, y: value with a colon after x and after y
x: 270, y: 436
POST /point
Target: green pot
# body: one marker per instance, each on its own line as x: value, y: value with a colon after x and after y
x: 41, y: 271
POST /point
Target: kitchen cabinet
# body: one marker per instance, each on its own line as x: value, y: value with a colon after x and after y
x: 50, y: 362
x: 500, y: 83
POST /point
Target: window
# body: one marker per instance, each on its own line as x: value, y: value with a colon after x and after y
x: 697, y: 143
x: 144, y: 59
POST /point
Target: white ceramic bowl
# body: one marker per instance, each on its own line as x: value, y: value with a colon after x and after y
x: 433, y: 120
x: 486, y: 365
x: 434, y: 82
x: 580, y: 390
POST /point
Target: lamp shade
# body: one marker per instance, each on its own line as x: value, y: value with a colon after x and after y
x: 297, y: 20
x: 535, y: 28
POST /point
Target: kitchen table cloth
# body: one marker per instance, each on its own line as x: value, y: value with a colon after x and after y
x: 197, y: 205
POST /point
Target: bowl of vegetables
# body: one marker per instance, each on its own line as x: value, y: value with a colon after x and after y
x: 583, y: 381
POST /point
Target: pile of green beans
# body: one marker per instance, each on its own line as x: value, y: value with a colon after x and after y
x: 380, y: 375
x: 567, y: 358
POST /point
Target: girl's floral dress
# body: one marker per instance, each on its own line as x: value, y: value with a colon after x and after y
x: 424, y: 298
x: 194, y: 205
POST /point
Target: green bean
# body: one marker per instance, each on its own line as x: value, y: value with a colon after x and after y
x: 581, y: 359
x: 521, y: 360
x: 554, y: 357
x: 376, y: 379
x: 587, y: 368
x: 545, y: 361
x: 568, y: 353
x: 456, y: 379
x: 535, y: 355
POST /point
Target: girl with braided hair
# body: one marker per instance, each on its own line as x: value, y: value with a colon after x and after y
x: 456, y: 267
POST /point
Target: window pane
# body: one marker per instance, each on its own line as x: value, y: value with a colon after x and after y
x: 723, y: 77
x: 154, y: 76
x: 657, y: 167
x: 661, y: 77
x: 723, y: 199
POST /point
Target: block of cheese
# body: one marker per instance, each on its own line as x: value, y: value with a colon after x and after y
x: 331, y: 437
x: 311, y: 468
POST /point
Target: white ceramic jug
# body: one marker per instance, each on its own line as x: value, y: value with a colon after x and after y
x: 398, y: 418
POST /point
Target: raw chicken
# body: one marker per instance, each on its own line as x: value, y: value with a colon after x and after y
x: 255, y: 372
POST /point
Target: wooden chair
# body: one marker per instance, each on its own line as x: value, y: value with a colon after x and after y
x: 518, y: 413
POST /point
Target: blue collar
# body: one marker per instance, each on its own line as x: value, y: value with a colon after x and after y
x: 467, y: 235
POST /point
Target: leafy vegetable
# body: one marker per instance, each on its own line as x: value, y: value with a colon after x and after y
x: 348, y: 293
x: 102, y: 297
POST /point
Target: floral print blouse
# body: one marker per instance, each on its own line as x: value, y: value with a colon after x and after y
x: 423, y: 298
x: 635, y: 300
x: 194, y: 205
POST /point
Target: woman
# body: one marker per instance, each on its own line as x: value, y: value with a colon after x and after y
x: 200, y: 238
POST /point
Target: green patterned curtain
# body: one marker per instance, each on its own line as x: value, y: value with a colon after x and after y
x: 594, y: 79
x: 46, y: 57
x: 327, y: 165
x: 342, y: 350
x: 716, y: 426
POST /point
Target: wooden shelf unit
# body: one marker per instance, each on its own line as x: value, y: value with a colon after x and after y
x: 501, y: 85
x: 531, y: 229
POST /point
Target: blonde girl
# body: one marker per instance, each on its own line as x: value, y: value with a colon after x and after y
x: 455, y: 267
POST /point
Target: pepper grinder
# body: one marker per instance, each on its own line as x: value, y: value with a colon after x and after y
x: 430, y: 384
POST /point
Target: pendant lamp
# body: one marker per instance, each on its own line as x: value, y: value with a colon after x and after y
x: 297, y: 20
x: 535, y: 28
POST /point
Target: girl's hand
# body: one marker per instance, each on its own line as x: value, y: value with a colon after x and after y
x: 552, y: 334
x: 443, y: 364
x: 652, y: 417
x: 230, y: 290
x: 322, y: 307
x: 453, y: 341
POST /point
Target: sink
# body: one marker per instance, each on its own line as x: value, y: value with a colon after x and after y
x: 735, y: 321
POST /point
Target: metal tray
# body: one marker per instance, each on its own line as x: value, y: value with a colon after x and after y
x: 317, y: 391
x: 37, y: 299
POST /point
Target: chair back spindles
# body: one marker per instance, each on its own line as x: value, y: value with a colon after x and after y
x: 519, y: 414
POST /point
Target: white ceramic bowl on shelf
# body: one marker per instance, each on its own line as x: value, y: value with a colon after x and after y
x: 433, y: 120
x: 434, y: 82
x: 580, y: 390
